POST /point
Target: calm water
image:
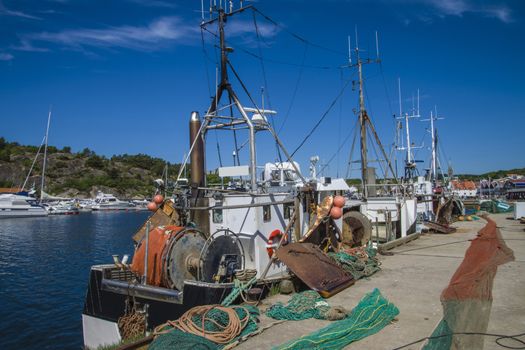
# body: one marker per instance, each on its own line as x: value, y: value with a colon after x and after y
x: 44, y: 268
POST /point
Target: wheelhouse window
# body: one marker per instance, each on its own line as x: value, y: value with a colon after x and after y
x: 288, y: 210
x: 267, y: 213
x: 217, y: 216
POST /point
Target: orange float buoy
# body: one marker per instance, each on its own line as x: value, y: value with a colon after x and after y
x: 336, y: 213
x: 152, y: 206
x: 339, y: 201
x: 158, y: 199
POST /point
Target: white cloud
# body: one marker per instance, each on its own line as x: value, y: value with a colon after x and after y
x: 151, y: 37
x: 7, y: 12
x: 458, y: 8
x: 160, y: 33
x: 154, y: 3
x: 6, y: 57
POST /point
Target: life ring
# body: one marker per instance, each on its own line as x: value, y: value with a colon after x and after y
x: 273, y: 241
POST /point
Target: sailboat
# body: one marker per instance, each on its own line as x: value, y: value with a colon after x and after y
x: 21, y: 204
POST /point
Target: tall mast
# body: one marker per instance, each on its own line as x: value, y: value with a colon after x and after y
x: 362, y: 123
x: 433, y: 134
x: 434, y: 167
x: 213, y: 120
x: 45, y: 157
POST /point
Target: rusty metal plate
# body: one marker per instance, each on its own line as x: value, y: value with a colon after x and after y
x: 314, y: 268
x: 439, y: 228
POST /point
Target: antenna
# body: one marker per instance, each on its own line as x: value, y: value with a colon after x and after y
x: 349, y: 51
x: 356, y: 39
x: 377, y: 47
x: 202, y: 9
x: 399, y: 92
x: 418, y: 101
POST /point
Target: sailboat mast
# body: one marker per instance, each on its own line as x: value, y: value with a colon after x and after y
x: 45, y: 158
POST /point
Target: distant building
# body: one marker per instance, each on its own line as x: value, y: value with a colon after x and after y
x: 464, y: 189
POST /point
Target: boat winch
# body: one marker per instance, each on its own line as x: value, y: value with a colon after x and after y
x: 172, y: 257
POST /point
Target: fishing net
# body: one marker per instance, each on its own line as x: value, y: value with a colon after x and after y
x: 467, y: 300
x: 495, y: 206
x: 177, y: 339
x: 206, y: 327
x: 371, y: 315
x: 359, y: 262
x: 304, y: 305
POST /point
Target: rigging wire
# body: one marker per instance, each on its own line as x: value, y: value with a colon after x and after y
x: 254, y: 55
x: 266, y: 90
x: 218, y: 149
x: 341, y: 79
x: 352, y: 131
x: 206, y: 57
x: 349, y: 166
x: 296, y: 88
x: 297, y: 36
x: 323, y: 116
x: 383, y: 170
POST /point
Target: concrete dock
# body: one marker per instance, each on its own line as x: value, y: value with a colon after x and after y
x: 413, y: 279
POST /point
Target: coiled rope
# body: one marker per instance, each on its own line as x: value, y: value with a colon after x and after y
x: 206, y: 327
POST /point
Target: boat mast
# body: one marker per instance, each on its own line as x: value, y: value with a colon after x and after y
x: 433, y: 134
x: 364, y: 119
x: 45, y: 157
x: 214, y: 121
x: 433, y: 166
x: 362, y: 123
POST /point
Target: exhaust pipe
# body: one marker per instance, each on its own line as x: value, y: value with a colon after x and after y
x: 197, y: 154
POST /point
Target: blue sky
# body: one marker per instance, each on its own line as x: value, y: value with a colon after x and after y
x: 123, y: 76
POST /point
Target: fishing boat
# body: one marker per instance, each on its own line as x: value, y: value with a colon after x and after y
x: 204, y: 238
x: 17, y: 206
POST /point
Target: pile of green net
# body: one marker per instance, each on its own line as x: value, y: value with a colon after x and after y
x: 216, y: 320
x: 307, y: 304
x: 371, y: 315
x: 177, y: 339
x: 496, y: 206
x: 358, y: 268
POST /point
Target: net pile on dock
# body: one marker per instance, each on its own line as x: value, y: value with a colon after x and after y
x: 371, y: 315
x: 304, y: 305
x: 467, y: 300
x: 206, y: 327
x: 359, y: 262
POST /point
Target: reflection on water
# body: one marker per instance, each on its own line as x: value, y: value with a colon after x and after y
x: 44, y: 268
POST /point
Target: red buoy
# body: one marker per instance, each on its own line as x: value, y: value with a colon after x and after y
x: 336, y: 213
x: 152, y: 206
x: 339, y: 201
x: 158, y: 199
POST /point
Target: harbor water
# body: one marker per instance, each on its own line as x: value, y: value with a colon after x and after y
x: 44, y: 269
